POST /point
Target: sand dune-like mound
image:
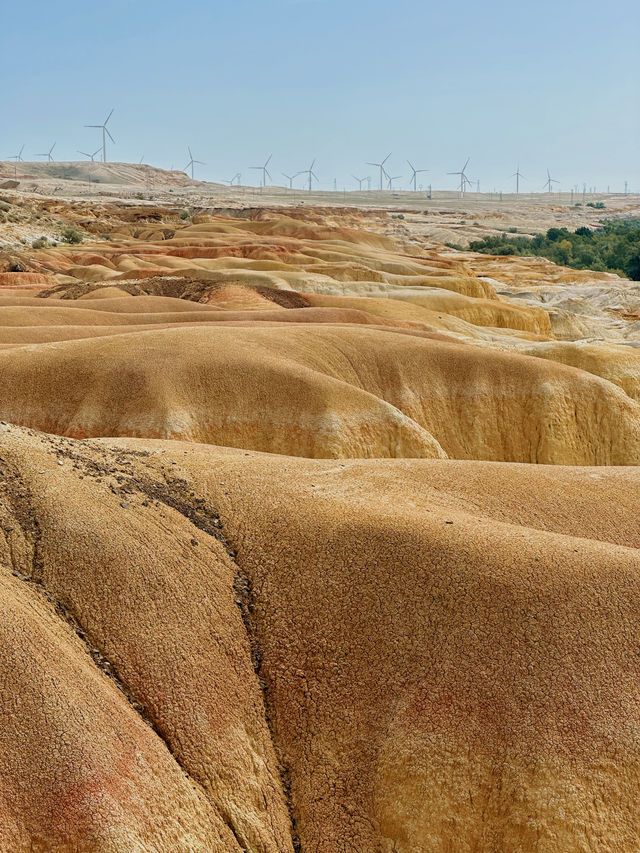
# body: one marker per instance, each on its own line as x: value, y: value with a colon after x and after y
x: 318, y: 391
x: 618, y: 364
x: 447, y: 652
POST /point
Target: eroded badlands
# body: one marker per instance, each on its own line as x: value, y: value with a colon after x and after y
x: 316, y: 538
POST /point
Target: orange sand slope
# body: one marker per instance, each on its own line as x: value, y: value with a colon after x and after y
x: 447, y: 651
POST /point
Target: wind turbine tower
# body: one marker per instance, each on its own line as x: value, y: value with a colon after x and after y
x: 517, y: 175
x: 290, y: 178
x: 17, y: 157
x: 464, y: 180
x: 91, y: 157
x: 550, y: 182
x: 383, y: 171
x: 414, y: 176
x: 105, y: 132
x: 192, y: 163
x: 310, y: 174
x: 265, y: 171
x: 49, y: 153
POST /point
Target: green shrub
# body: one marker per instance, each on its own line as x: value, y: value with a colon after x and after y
x: 40, y: 243
x: 184, y: 215
x: 71, y: 235
x: 597, y: 205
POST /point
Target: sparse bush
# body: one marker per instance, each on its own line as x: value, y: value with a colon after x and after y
x: 71, y: 235
x: 513, y: 230
x: 138, y: 195
x: 455, y: 246
x: 597, y: 205
x: 40, y: 243
x: 184, y: 215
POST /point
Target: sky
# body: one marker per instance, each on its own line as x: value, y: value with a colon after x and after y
x: 541, y: 84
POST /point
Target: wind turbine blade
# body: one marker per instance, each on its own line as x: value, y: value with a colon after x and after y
x: 268, y: 174
x: 315, y: 176
x: 386, y: 158
x: 411, y: 167
x: 190, y: 154
x: 466, y: 164
x: 93, y: 125
x: 312, y: 165
x: 109, y: 116
x: 268, y: 161
x: 200, y: 162
x: 109, y: 135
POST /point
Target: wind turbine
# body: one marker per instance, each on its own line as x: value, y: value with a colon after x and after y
x: 17, y: 157
x: 93, y: 156
x: 48, y: 154
x: 550, y: 182
x: 233, y: 179
x: 265, y: 171
x: 464, y: 180
x: 105, y: 132
x: 517, y: 175
x: 391, y: 180
x: 414, y: 176
x: 311, y: 174
x: 383, y: 171
x: 360, y: 182
x: 192, y: 163
x: 290, y: 178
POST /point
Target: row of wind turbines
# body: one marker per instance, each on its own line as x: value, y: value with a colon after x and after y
x: 465, y: 183
x: 385, y: 179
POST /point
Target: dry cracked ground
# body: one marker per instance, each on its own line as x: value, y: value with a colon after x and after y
x: 314, y: 537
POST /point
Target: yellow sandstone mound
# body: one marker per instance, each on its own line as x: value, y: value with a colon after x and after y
x: 618, y: 364
x: 321, y: 390
x: 447, y: 652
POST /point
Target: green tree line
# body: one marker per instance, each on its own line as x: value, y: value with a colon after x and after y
x: 615, y: 247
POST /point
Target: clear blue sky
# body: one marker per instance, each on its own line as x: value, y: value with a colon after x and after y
x: 544, y: 83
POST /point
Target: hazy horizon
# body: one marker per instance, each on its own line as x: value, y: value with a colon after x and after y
x: 546, y: 88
